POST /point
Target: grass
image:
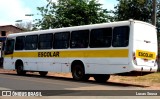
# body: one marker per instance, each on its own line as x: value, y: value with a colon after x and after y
x: 153, y: 78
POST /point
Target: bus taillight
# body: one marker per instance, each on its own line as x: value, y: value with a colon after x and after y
x: 134, y: 58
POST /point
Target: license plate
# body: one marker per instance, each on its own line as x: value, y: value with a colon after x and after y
x: 145, y: 54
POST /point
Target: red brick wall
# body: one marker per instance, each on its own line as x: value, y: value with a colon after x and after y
x: 10, y: 29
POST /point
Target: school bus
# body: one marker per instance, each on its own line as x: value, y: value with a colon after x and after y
x: 97, y: 50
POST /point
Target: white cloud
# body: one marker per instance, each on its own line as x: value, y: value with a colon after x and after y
x: 12, y: 10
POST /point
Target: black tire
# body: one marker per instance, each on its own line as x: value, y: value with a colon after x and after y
x: 101, y: 78
x: 43, y: 73
x: 20, y: 70
x: 78, y: 73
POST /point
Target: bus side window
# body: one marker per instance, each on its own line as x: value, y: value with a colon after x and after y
x: 9, y: 48
x: 120, y: 36
x: 31, y: 42
x: 100, y: 38
x: 45, y: 41
x: 79, y: 39
x: 19, y: 45
x: 61, y: 40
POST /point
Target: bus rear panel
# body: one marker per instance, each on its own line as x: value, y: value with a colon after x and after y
x: 145, y: 52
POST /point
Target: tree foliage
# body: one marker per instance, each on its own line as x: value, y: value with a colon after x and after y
x: 134, y: 9
x: 138, y: 10
x: 64, y: 13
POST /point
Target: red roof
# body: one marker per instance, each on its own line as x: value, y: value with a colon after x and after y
x: 11, y: 26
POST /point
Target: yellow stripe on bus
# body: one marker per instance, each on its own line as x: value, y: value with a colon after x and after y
x: 73, y: 53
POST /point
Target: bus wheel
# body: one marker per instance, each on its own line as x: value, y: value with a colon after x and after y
x: 20, y: 70
x: 78, y: 73
x: 101, y: 78
x: 43, y: 73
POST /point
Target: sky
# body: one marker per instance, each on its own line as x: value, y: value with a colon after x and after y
x: 13, y: 10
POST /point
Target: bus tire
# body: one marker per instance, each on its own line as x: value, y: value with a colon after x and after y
x: 19, y: 69
x: 101, y: 78
x: 43, y: 73
x: 78, y: 72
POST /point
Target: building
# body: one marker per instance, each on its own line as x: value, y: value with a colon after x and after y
x: 8, y: 29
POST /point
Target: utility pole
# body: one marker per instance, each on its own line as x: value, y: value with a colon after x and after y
x: 154, y: 12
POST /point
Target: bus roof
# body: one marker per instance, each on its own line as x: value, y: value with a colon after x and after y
x: 101, y: 25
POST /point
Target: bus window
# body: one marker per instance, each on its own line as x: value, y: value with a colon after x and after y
x: 45, y: 41
x: 9, y: 47
x: 79, y: 39
x: 120, y: 36
x: 31, y: 42
x: 19, y: 45
x: 100, y: 37
x: 61, y: 40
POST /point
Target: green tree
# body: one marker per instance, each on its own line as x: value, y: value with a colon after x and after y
x: 134, y: 9
x: 66, y: 13
x: 138, y: 10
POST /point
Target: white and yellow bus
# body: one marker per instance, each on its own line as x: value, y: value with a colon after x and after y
x: 98, y: 50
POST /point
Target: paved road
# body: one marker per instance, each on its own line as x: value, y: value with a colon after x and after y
x: 35, y: 82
